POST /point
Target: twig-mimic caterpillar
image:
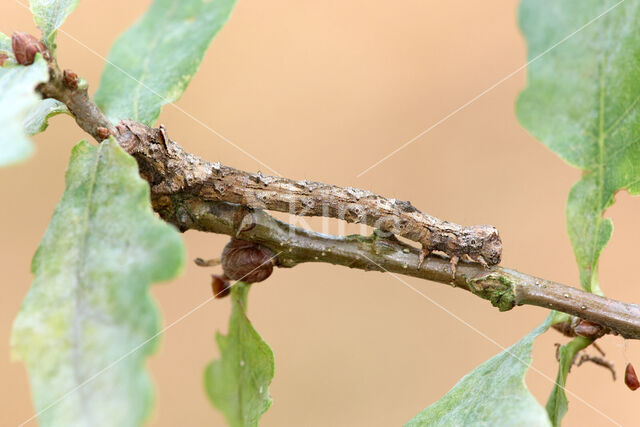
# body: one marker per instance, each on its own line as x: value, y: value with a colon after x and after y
x: 187, y: 176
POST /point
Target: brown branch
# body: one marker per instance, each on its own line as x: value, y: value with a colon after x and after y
x: 66, y: 87
x: 193, y: 194
x: 600, y: 361
x: 503, y: 287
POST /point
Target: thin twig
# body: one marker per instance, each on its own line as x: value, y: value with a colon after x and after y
x: 598, y: 361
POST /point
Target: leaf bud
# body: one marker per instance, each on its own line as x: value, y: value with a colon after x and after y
x: 70, y: 79
x: 102, y: 133
x: 25, y: 46
x: 247, y: 261
x: 219, y: 286
x: 589, y: 329
x: 630, y: 377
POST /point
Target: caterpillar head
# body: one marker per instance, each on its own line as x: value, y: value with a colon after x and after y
x: 487, y: 243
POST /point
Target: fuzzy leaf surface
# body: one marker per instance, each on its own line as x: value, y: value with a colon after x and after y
x: 582, y: 100
x: 152, y: 63
x: 49, y: 15
x: 18, y: 99
x: 87, y: 324
x: 493, y: 394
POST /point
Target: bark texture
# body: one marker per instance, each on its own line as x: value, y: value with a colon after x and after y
x: 173, y: 172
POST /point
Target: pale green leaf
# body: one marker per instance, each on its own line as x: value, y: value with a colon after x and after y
x: 152, y: 63
x: 17, y: 99
x: 582, y: 101
x: 37, y: 118
x: 49, y: 16
x: 238, y: 383
x: 88, y: 323
x: 6, y: 49
x: 493, y: 394
x: 5, y: 44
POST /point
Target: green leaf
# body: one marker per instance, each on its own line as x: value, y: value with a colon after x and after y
x: 583, y: 101
x: 6, y: 49
x: 238, y: 383
x: 558, y: 404
x: 88, y: 323
x: 49, y: 16
x: 38, y: 115
x: 37, y: 119
x: 493, y: 394
x: 17, y: 99
x: 5, y: 44
x: 152, y: 63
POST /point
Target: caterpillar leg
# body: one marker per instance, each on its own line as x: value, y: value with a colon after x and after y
x: 423, y: 254
x: 453, y: 263
x: 244, y: 220
x: 482, y: 261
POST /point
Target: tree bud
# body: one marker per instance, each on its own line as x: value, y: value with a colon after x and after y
x: 589, y: 329
x: 25, y: 46
x: 219, y: 286
x: 630, y: 377
x: 70, y: 79
x: 247, y: 261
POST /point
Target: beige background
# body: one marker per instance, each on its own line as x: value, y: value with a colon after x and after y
x: 321, y: 90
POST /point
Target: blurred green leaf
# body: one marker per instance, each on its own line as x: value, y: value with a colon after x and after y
x: 88, y: 323
x: 582, y: 101
x: 493, y: 394
x: 49, y: 16
x: 238, y: 383
x: 6, y: 49
x: 17, y: 99
x: 5, y: 44
x: 37, y: 119
x: 152, y: 63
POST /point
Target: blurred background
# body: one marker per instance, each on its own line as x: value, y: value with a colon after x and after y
x: 321, y: 91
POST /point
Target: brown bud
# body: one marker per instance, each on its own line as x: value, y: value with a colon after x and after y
x: 70, y: 79
x: 3, y: 58
x: 564, y: 328
x: 630, y: 377
x: 25, y: 46
x: 247, y: 261
x: 102, y: 133
x: 219, y: 286
x: 589, y: 329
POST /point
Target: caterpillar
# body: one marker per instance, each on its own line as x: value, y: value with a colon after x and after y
x: 185, y: 175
